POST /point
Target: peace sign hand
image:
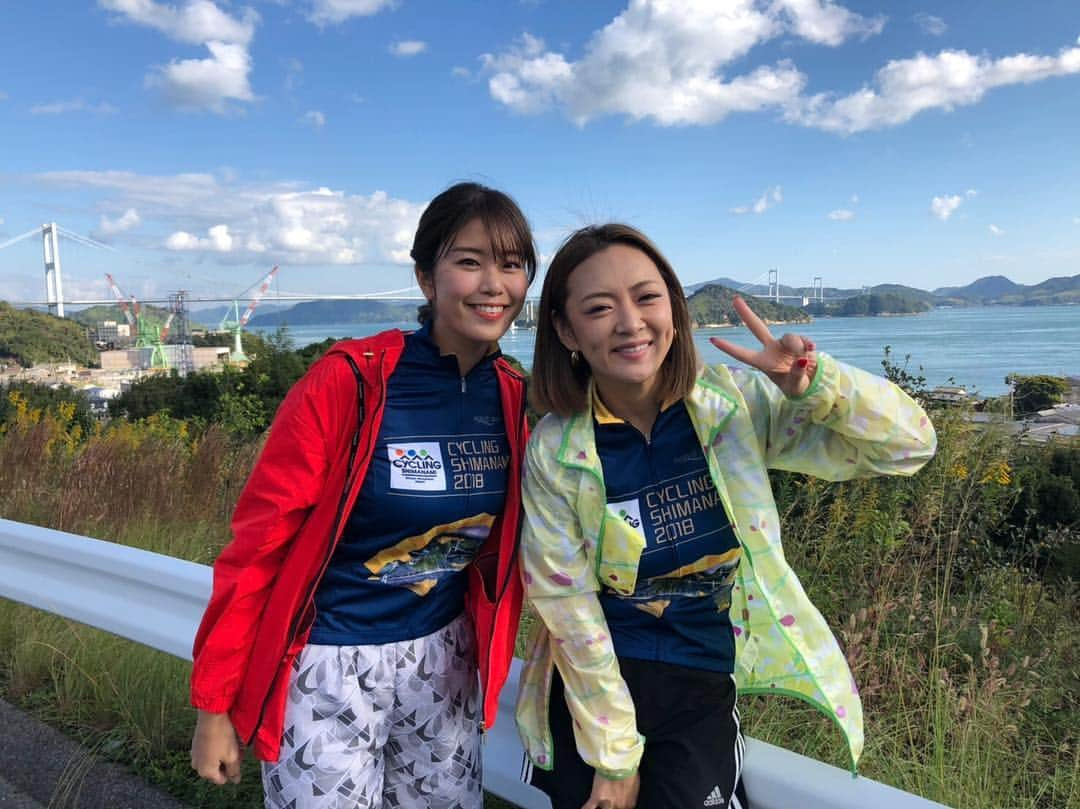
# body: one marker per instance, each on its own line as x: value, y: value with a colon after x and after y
x: 789, y: 362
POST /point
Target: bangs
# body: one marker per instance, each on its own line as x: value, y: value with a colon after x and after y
x: 506, y: 227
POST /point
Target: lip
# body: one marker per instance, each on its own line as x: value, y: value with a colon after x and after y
x: 487, y: 310
x: 632, y: 351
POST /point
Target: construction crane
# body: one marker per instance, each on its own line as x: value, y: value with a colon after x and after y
x: 130, y: 309
x: 140, y: 329
x: 239, y: 321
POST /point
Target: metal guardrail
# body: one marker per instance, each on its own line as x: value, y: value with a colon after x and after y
x: 158, y: 601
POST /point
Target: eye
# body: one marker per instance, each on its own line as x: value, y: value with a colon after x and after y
x: 597, y: 309
x: 512, y: 264
x: 468, y: 261
x: 650, y: 297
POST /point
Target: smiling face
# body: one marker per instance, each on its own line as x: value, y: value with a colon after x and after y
x: 475, y: 294
x: 618, y: 316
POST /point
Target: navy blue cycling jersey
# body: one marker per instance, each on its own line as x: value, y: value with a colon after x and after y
x: 436, y: 482
x: 678, y: 612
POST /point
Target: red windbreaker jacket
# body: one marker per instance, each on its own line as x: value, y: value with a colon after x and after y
x: 289, y: 519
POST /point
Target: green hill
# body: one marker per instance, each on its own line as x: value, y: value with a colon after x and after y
x: 355, y: 311
x: 712, y: 305
x: 875, y: 303
x: 30, y: 337
x: 92, y: 317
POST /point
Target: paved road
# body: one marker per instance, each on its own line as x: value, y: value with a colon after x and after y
x: 11, y: 798
x: 40, y: 767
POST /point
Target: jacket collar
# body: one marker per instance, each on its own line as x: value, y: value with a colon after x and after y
x: 709, y: 405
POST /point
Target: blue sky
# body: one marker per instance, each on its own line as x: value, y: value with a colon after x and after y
x: 911, y: 142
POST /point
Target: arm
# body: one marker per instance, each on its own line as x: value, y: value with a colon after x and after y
x: 285, y: 483
x: 562, y: 587
x: 848, y: 423
x: 824, y: 418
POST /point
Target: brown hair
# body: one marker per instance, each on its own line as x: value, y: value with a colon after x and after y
x: 452, y: 210
x: 561, y: 385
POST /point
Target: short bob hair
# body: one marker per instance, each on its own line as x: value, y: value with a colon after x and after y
x: 452, y: 210
x: 561, y: 385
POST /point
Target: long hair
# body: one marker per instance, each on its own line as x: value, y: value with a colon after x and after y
x: 560, y: 384
x: 452, y: 210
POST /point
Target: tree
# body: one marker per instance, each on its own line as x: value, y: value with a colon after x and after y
x: 1034, y: 393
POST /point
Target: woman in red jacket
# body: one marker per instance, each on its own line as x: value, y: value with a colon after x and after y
x: 372, y: 570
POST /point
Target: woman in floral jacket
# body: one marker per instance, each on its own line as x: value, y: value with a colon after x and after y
x: 651, y: 547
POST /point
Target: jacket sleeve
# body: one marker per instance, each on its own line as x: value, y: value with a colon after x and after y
x: 848, y: 424
x: 285, y: 484
x: 562, y: 586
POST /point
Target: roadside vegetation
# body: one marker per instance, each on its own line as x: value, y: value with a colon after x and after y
x: 954, y: 594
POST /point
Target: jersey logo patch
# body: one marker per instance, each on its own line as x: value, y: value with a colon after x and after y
x: 629, y: 512
x: 417, y: 467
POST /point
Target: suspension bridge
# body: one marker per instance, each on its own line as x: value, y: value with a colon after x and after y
x: 54, y: 300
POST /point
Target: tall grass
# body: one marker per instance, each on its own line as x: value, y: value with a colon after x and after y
x: 966, y: 657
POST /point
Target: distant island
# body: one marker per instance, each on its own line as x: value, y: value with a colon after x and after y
x: 28, y: 337
x: 711, y: 305
x: 710, y: 302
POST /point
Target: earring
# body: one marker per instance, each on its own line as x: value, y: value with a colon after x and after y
x: 575, y: 357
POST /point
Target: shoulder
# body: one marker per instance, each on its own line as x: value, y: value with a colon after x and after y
x: 547, y: 435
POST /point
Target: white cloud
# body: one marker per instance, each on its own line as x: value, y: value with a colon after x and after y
x: 971, y: 192
x: 663, y: 61
x: 767, y: 200
x: 218, y: 240
x: 107, y: 228
x: 461, y: 72
x: 207, y: 84
x: 934, y: 26
x: 826, y: 23
x: 854, y: 199
x: 671, y: 63
x: 408, y: 47
x: 195, y: 23
x: 841, y: 215
x: 996, y: 230
x: 281, y: 222
x: 944, y: 207
x: 332, y: 12
x: 906, y: 87
x: 314, y: 118
x: 198, y: 84
x: 74, y: 105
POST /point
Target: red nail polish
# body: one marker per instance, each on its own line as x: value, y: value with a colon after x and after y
x: 802, y: 362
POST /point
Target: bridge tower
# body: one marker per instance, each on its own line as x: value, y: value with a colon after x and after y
x: 54, y: 289
x: 184, y: 359
x: 818, y: 292
x: 774, y: 284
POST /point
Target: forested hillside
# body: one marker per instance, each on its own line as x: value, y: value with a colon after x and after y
x: 30, y: 337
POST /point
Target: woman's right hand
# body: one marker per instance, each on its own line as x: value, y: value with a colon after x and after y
x: 608, y: 793
x: 215, y: 750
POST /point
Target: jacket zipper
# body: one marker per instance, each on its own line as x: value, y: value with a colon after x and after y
x: 354, y: 443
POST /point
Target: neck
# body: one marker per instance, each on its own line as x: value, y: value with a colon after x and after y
x: 467, y: 352
x: 637, y: 405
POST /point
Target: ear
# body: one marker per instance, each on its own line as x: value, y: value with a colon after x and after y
x: 426, y: 282
x: 566, y: 334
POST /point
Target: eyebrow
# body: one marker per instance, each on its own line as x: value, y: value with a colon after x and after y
x: 479, y: 251
x: 606, y: 294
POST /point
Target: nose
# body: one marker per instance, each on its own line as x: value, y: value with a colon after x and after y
x: 491, y: 279
x: 628, y: 320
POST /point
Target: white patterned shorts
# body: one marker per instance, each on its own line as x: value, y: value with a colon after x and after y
x: 386, y: 725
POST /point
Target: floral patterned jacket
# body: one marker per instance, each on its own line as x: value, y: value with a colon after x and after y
x: 847, y: 424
